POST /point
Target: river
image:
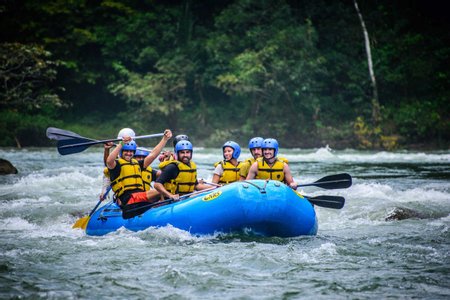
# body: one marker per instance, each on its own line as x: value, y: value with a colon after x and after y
x: 362, y: 251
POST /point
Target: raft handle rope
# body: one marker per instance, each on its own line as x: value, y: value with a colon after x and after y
x: 262, y: 190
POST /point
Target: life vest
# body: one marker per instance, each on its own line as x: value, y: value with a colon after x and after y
x: 147, y: 178
x: 184, y: 183
x: 164, y: 163
x: 283, y: 159
x: 130, y: 177
x: 266, y: 172
x: 106, y: 172
x: 230, y: 171
x: 245, y: 166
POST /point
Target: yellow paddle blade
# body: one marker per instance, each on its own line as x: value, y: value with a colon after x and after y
x: 81, y: 223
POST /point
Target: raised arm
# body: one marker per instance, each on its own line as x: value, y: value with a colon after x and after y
x: 111, y: 160
x: 155, y: 152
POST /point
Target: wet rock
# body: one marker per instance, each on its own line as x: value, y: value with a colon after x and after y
x: 402, y: 213
x: 6, y: 167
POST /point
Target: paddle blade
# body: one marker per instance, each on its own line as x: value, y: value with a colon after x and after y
x: 335, y: 202
x: 338, y: 181
x: 81, y: 223
x: 65, y: 146
x: 61, y: 134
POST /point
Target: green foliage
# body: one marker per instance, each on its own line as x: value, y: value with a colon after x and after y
x: 419, y: 120
x: 26, y: 73
x: 22, y: 129
x: 216, y: 70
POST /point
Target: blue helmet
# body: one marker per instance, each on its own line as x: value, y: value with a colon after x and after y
x: 235, y: 146
x: 141, y: 152
x: 255, y: 142
x: 183, y: 145
x: 128, y: 146
x: 271, y: 144
x: 180, y: 137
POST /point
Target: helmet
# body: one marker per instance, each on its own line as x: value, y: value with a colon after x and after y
x: 235, y: 146
x: 141, y: 152
x: 180, y: 137
x: 270, y: 144
x: 129, y: 146
x: 126, y: 131
x: 183, y: 145
x: 255, y: 142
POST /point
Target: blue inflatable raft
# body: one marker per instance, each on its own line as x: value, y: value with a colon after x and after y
x: 265, y: 208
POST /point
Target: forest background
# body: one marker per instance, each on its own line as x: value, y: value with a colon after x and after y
x: 217, y: 70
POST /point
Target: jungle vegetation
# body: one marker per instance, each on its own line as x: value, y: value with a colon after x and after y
x: 294, y: 70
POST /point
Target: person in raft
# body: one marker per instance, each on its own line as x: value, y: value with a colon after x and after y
x: 254, y: 145
x: 270, y: 167
x: 179, y: 177
x: 227, y: 170
x: 166, y: 156
x: 106, y: 182
x: 125, y: 174
x: 148, y: 174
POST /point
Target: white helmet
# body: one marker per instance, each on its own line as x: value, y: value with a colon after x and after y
x: 126, y: 131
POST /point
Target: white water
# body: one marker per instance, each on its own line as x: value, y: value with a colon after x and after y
x: 356, y: 254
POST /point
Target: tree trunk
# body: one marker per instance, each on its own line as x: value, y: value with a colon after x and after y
x: 375, y: 102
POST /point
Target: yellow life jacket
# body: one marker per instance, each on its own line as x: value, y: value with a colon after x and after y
x: 164, y: 163
x: 283, y: 159
x: 106, y: 172
x: 245, y: 166
x: 161, y: 166
x: 266, y: 172
x: 130, y: 177
x: 230, y: 171
x: 147, y: 178
x: 184, y: 183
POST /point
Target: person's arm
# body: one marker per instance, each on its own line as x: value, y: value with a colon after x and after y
x: 111, y: 160
x: 162, y: 190
x: 288, y: 177
x: 155, y: 152
x: 107, y: 148
x: 218, y: 172
x: 170, y: 172
x: 245, y: 166
x: 202, y: 186
x: 155, y: 174
x: 105, y: 185
x: 252, y: 171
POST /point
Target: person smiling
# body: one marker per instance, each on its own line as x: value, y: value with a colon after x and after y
x: 270, y: 167
x: 125, y: 174
x: 227, y: 170
x: 179, y: 177
x: 254, y: 145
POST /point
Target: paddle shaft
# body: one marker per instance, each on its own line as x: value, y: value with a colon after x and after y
x: 100, y: 201
x: 171, y: 200
x: 94, y: 142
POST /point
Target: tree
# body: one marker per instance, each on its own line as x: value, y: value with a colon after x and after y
x: 269, y: 67
x: 376, y: 117
x: 26, y: 74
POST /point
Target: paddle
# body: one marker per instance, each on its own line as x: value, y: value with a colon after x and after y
x: 61, y: 134
x: 338, y: 181
x: 171, y: 200
x: 82, y: 222
x: 68, y: 140
x: 335, y: 202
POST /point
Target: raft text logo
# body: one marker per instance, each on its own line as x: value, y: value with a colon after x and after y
x: 212, y: 196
